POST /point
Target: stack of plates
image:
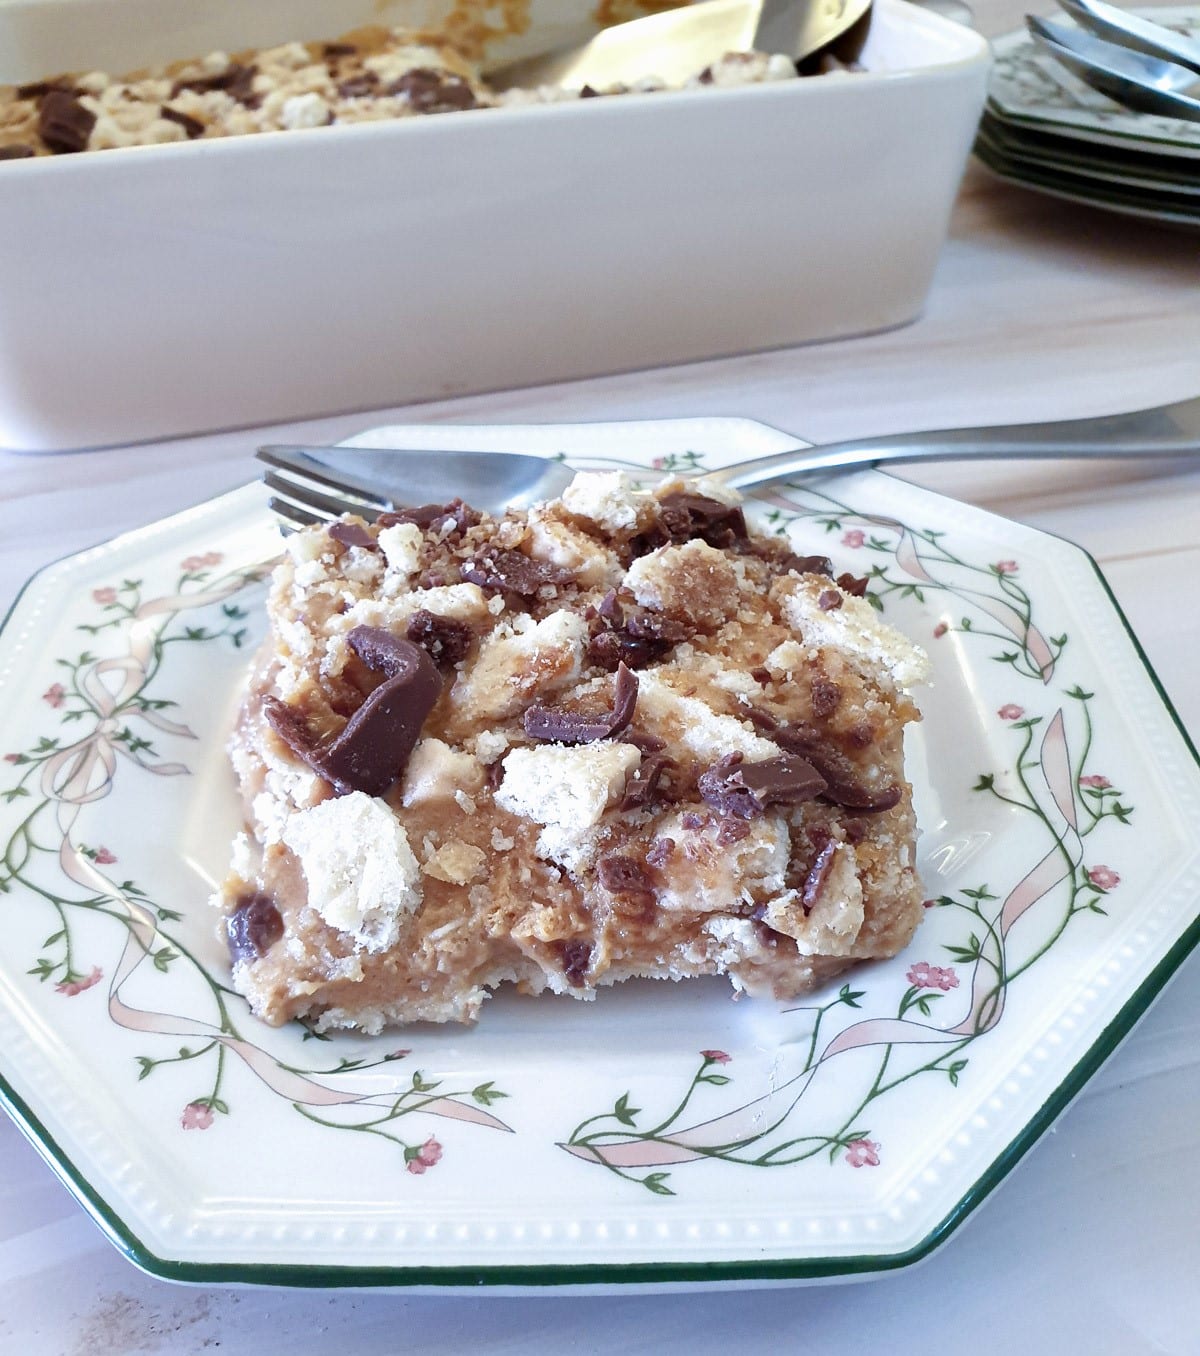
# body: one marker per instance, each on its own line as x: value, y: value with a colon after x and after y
x: 1047, y: 130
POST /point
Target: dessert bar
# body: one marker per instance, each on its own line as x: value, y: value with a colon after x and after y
x: 617, y: 735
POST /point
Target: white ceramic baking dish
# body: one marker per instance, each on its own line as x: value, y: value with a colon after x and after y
x: 171, y: 289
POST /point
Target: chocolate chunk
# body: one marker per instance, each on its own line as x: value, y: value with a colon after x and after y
x: 514, y: 572
x: 609, y: 649
x: 353, y: 534
x: 372, y: 751
x: 653, y: 626
x: 861, y: 734
x: 636, y: 641
x: 818, y: 873
x: 732, y: 831
x: 441, y: 519
x: 844, y: 786
x: 706, y: 76
x: 253, y: 928
x: 640, y: 791
x: 419, y: 515
x: 649, y: 540
x: 64, y: 124
x: 809, y: 565
x: 768, y: 938
x: 854, y: 796
x: 855, y: 830
x: 338, y: 49
x: 192, y: 126
x: 237, y: 81
x: 587, y: 92
x: 623, y: 875
x: 786, y: 780
x: 693, y: 821
x: 445, y: 640
x: 610, y: 608
x: 576, y: 956
x: 852, y: 585
x: 735, y: 787
x: 660, y: 851
x: 359, y: 86
x: 577, y: 727
x: 762, y: 720
x: 686, y: 515
x: 430, y: 91
x: 761, y: 675
x: 826, y: 697
x: 830, y: 600
x: 16, y: 152
x: 290, y: 725
x: 38, y: 89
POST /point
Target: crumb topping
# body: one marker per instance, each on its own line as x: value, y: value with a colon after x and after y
x: 617, y: 735
x: 374, y: 74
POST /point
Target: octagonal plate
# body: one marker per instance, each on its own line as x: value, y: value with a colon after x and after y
x: 663, y: 1134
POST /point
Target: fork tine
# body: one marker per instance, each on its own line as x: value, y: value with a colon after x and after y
x: 293, y: 515
x: 303, y: 468
x: 318, y: 500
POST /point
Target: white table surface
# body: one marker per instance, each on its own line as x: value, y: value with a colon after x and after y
x: 1039, y: 310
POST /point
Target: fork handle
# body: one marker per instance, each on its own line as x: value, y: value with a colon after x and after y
x: 1165, y: 431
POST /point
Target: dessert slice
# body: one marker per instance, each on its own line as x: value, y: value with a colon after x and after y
x: 618, y: 735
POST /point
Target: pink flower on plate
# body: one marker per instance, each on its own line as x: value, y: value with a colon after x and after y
x: 204, y: 562
x: 862, y: 1153
x: 196, y: 1116
x: 1011, y: 712
x: 940, y: 630
x: 396, y: 1054
x: 429, y: 1155
x: 71, y: 987
x: 716, y: 1056
x: 54, y: 694
x: 922, y: 975
x: 1006, y: 567
x: 658, y: 463
x: 12, y: 757
x: 103, y: 857
x: 1095, y: 782
x: 854, y: 538
x: 108, y: 594
x: 1103, y: 877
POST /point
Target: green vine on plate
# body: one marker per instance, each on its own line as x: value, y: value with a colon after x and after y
x: 112, y: 702
x: 1046, y: 781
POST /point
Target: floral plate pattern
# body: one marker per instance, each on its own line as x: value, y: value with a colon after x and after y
x: 626, y: 1140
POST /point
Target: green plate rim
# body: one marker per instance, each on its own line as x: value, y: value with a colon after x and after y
x: 324, y: 1276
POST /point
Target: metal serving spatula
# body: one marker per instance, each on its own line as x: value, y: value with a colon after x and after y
x: 680, y: 43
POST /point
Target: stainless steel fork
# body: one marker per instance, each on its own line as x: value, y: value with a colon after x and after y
x: 316, y: 484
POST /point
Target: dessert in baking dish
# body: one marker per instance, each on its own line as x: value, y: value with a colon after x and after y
x: 369, y: 76
x: 618, y: 735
